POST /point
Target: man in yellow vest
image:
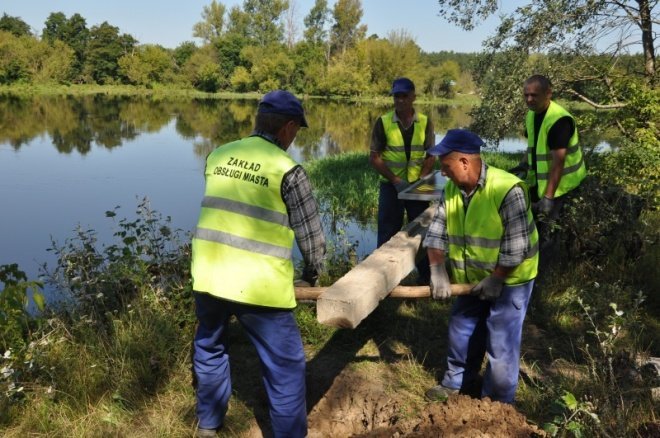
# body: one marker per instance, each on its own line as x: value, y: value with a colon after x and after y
x: 257, y: 200
x: 554, y: 161
x: 484, y: 226
x: 399, y: 142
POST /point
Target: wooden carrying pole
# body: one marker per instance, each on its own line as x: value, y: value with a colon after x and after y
x: 313, y: 293
x: 355, y: 295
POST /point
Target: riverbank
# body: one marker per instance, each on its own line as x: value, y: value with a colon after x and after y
x: 118, y: 364
x: 464, y: 100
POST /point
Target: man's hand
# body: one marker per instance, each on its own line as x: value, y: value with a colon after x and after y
x: 310, y: 276
x: 440, y: 286
x: 401, y: 186
x: 490, y: 288
x: 543, y: 207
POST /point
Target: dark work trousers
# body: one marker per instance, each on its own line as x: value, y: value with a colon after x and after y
x: 390, y: 221
x: 276, y: 337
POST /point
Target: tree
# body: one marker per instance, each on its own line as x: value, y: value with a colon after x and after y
x: 398, y: 55
x: 183, y: 52
x: 270, y: 67
x: 105, y: 48
x: 577, y: 43
x: 346, y: 31
x: 213, y: 22
x: 14, y: 25
x: 202, y: 71
x: 72, y: 31
x: 291, y: 29
x: 315, y: 22
x: 13, y: 62
x: 146, y: 65
x: 265, y: 26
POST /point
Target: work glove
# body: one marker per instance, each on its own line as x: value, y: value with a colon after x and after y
x: 440, y: 286
x: 490, y: 288
x: 520, y: 170
x: 310, y: 276
x: 543, y: 207
x: 401, y: 186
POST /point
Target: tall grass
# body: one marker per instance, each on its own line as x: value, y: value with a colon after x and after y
x: 117, y: 363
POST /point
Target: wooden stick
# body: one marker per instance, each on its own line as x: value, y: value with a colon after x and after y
x: 312, y: 293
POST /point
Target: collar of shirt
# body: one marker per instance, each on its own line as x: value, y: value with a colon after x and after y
x: 480, y: 183
x: 396, y: 119
x: 266, y: 136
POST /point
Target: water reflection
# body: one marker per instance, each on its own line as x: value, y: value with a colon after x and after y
x: 64, y: 161
x: 76, y: 123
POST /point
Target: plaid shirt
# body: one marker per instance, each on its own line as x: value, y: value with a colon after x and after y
x: 304, y: 217
x: 514, y: 244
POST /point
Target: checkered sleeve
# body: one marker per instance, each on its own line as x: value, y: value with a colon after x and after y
x: 304, y: 217
x: 515, y: 241
x: 436, y: 235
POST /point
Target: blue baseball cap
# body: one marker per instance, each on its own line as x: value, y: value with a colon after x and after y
x: 458, y: 140
x: 402, y: 85
x: 282, y: 102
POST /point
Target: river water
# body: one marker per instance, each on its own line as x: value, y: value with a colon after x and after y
x: 65, y: 161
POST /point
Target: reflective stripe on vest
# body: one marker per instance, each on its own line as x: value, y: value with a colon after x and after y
x: 394, y: 154
x: 574, y: 169
x: 475, y: 235
x: 243, y: 243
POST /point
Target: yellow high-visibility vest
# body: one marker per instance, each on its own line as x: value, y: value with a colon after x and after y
x: 475, y: 234
x: 574, y: 169
x: 242, y: 247
x: 394, y: 154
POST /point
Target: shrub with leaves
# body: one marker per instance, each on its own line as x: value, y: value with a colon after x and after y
x: 16, y: 325
x: 101, y: 279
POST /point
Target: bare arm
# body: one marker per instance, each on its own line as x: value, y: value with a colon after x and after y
x: 556, y: 170
x: 427, y: 166
x: 436, y: 256
x: 376, y: 161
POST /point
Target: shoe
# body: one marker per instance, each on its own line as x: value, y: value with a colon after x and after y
x: 439, y: 393
x: 205, y: 433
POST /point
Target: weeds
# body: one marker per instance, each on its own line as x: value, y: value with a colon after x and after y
x: 115, y: 360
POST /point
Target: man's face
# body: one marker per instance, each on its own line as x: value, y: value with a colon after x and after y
x: 536, y: 99
x: 452, y: 167
x: 289, y: 132
x: 403, y: 102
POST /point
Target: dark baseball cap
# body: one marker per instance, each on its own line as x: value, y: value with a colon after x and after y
x: 402, y: 85
x: 282, y: 102
x: 458, y: 140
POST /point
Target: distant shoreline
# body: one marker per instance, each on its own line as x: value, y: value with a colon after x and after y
x: 189, y: 93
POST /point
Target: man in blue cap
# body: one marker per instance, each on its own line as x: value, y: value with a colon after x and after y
x: 484, y: 228
x: 257, y: 200
x: 399, y: 142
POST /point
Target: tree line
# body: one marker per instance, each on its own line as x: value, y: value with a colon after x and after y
x: 255, y: 47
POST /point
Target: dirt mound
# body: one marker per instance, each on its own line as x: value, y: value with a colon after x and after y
x: 358, y: 406
x: 462, y: 416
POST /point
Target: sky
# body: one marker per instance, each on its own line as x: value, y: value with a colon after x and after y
x: 170, y: 22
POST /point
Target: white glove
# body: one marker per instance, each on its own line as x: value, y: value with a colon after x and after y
x: 440, y: 286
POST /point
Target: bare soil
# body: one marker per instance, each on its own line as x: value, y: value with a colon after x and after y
x: 357, y: 406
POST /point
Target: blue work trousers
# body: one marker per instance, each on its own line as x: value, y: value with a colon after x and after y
x: 390, y: 220
x: 276, y: 337
x: 478, y: 327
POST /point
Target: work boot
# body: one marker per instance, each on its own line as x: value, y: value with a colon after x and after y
x: 205, y: 433
x: 439, y: 393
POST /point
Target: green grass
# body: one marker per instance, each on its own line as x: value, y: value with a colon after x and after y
x: 187, y: 92
x: 122, y: 367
